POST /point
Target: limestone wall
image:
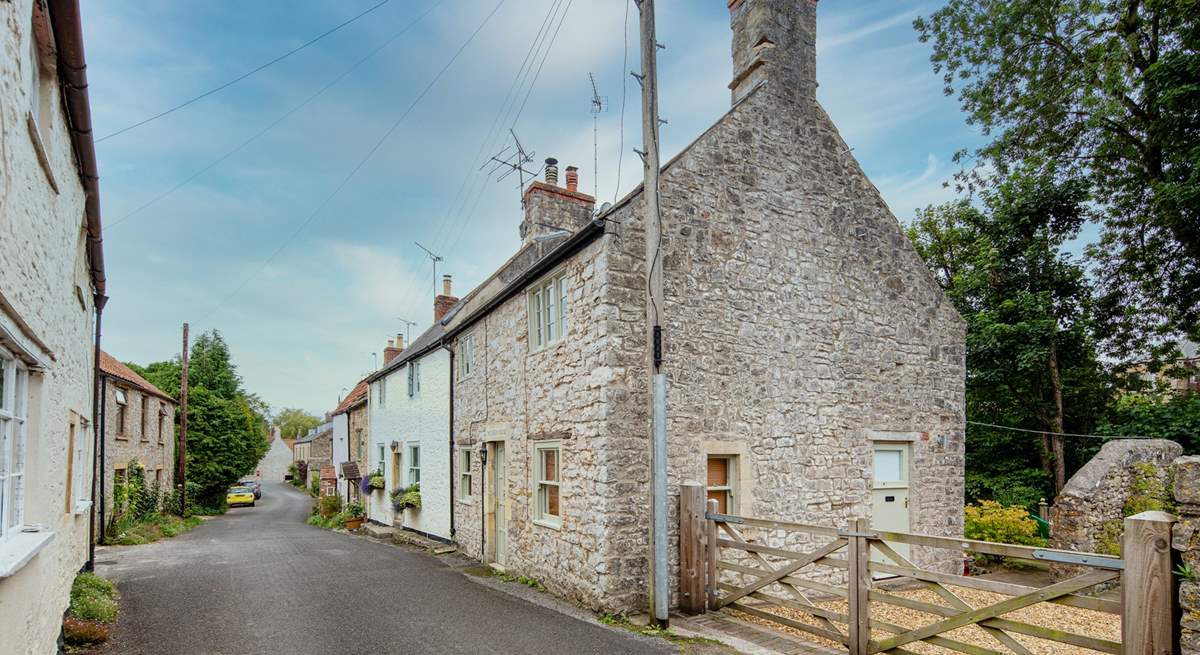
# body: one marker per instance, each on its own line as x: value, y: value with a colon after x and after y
x: 1087, y: 515
x: 145, y: 439
x: 1187, y: 542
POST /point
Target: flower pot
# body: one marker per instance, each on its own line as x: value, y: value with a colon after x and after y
x: 354, y: 524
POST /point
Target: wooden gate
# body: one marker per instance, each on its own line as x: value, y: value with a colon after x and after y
x: 826, y: 575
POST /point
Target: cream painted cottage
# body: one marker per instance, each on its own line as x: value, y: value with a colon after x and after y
x: 52, y: 290
x: 816, y: 371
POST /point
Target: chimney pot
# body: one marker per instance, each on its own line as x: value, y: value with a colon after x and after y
x: 446, y: 285
x: 400, y: 341
x: 552, y: 171
x: 572, y: 178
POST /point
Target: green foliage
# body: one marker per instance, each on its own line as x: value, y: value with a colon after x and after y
x: 1164, y: 416
x: 1149, y: 490
x: 532, y: 583
x: 1108, y: 541
x: 991, y: 521
x: 293, y: 423
x: 355, y: 511
x: 93, y: 598
x: 79, y: 633
x: 314, y: 487
x: 1187, y: 573
x: 377, y: 481
x: 330, y: 505
x: 1104, y: 92
x: 406, y: 498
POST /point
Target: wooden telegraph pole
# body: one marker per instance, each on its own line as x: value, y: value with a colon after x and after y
x: 654, y: 317
x: 181, y: 466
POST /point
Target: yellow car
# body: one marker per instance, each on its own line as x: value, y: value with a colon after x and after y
x: 240, y: 496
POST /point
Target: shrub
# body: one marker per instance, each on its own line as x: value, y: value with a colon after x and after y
x: 314, y: 487
x: 355, y: 511
x: 376, y: 480
x: 330, y: 505
x: 991, y: 521
x: 93, y: 598
x: 82, y: 632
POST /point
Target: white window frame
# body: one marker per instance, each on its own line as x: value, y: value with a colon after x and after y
x: 465, y: 475
x: 414, y: 464
x: 541, y: 485
x: 466, y: 356
x: 549, y: 304
x: 14, y: 444
x: 122, y: 411
x: 383, y: 392
x: 414, y: 379
x: 81, y: 498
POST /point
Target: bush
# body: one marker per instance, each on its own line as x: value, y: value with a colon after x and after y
x: 93, y: 598
x: 355, y: 511
x: 991, y: 521
x: 330, y: 505
x: 81, y: 632
x: 314, y: 487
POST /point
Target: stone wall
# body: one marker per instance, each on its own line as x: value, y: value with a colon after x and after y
x: 46, y: 313
x: 1088, y: 514
x: 1186, y: 540
x: 144, y: 437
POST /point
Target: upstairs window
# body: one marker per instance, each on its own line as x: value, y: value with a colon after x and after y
x: 382, y: 395
x: 162, y: 421
x: 145, y: 417
x: 414, y: 379
x: 14, y: 405
x: 466, y: 356
x: 119, y: 395
x: 721, y: 478
x: 548, y: 302
x: 414, y: 464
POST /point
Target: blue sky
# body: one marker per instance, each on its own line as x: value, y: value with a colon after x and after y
x: 304, y: 303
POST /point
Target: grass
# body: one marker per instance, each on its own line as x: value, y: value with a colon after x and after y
x: 685, y: 644
x: 93, y: 608
x: 161, y: 526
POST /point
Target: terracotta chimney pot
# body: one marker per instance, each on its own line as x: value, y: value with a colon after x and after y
x: 572, y: 178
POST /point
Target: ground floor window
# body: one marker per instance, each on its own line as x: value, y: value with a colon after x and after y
x: 722, y: 471
x: 414, y: 464
x: 14, y: 403
x: 547, y: 476
x: 464, y: 474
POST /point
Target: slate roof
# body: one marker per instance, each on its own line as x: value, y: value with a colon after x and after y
x: 350, y: 471
x: 113, y: 368
x: 418, y: 347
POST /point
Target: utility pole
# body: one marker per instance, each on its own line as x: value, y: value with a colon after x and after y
x: 181, y: 472
x: 654, y: 311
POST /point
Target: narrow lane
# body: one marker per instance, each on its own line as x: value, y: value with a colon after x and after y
x: 259, y: 580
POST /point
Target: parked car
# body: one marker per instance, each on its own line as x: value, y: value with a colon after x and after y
x: 254, y: 485
x: 240, y: 496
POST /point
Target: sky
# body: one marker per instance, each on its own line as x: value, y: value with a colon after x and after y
x: 285, y: 209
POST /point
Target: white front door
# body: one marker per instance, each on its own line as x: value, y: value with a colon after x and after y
x: 889, y: 494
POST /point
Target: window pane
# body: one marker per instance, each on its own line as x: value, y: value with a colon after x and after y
x: 551, y: 313
x: 5, y: 386
x: 562, y: 306
x: 888, y: 465
x: 550, y: 465
x: 537, y: 317
x: 552, y: 500
x: 722, y: 498
x: 718, y: 472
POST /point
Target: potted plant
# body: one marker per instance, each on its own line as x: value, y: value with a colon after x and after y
x: 406, y: 498
x: 354, y: 513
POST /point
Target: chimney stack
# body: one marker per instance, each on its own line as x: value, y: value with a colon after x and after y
x: 774, y: 40
x: 443, y: 301
x: 393, y: 348
x: 572, y: 178
x: 552, y: 171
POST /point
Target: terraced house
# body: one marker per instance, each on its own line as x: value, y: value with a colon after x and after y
x: 52, y: 291
x: 816, y: 372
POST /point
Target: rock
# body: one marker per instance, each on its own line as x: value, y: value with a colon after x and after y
x: 1187, y: 480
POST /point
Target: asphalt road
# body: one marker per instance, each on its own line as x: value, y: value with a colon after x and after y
x: 259, y: 580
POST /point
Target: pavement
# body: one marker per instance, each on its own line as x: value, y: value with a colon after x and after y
x: 260, y: 580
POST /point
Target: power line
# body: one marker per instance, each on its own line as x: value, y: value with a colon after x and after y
x: 1059, y: 434
x: 362, y: 162
x: 244, y: 75
x: 277, y: 121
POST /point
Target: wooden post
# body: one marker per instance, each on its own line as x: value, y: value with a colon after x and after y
x: 858, y: 583
x: 711, y: 554
x: 692, y: 560
x: 1147, y: 586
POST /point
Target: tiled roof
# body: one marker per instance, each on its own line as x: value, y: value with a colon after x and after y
x: 113, y: 368
x: 357, y: 394
x: 328, y: 472
x: 350, y: 471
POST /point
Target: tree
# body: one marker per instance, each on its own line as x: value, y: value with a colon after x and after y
x: 293, y: 422
x: 164, y: 375
x: 1171, y: 416
x: 1031, y: 362
x: 225, y: 442
x: 1104, y: 91
x: 211, y: 366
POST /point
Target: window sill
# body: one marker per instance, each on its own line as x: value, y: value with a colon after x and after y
x: 82, y: 507
x: 545, y: 523
x: 17, y: 550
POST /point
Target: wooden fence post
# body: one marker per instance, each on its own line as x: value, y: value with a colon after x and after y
x: 1147, y: 586
x: 711, y: 555
x: 858, y: 581
x: 692, y: 560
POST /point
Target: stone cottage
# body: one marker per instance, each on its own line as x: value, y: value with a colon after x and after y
x: 410, y: 424
x: 52, y: 291
x: 816, y: 372
x: 315, y: 448
x: 137, y: 425
x: 350, y: 427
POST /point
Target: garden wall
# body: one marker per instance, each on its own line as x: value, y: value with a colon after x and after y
x: 1186, y: 540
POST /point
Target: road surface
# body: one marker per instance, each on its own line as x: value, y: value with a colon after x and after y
x: 259, y: 580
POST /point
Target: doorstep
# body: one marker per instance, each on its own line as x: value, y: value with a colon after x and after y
x: 380, y: 531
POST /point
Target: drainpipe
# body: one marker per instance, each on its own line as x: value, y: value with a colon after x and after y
x: 99, y: 300
x: 451, y: 438
x: 102, y: 436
